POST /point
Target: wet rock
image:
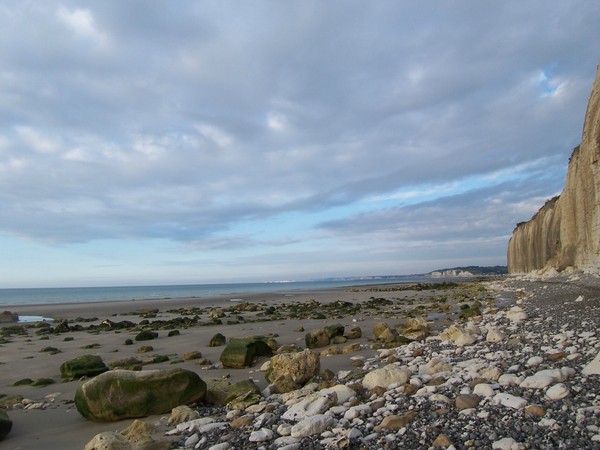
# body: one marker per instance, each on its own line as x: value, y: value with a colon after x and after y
x: 290, y: 371
x: 241, y: 353
x: 109, y: 440
x: 82, y: 366
x: 5, y: 424
x: 217, y: 340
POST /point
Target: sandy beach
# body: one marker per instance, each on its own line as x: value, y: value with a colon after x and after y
x: 59, y: 425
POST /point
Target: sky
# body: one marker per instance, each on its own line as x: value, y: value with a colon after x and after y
x: 154, y: 142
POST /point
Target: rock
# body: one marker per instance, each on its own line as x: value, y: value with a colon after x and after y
x: 435, y: 365
x: 416, y: 329
x: 191, y: 356
x: 311, y: 405
x: 516, y: 314
x: 442, y: 441
x: 262, y: 435
x: 395, y: 422
x: 510, y: 401
x: 5, y: 424
x: 109, y: 440
x: 593, y: 367
x: 221, y: 392
x: 342, y: 393
x: 8, y: 317
x: 290, y: 371
x: 312, y: 425
x: 534, y: 411
x: 123, y: 394
x: 483, y: 390
x: 457, y: 335
x: 82, y: 366
x: 558, y: 392
x: 387, y: 375
x: 565, y: 231
x: 354, y: 333
x: 323, y: 337
x: 241, y: 353
x: 508, y: 444
x: 545, y: 378
x: 467, y: 401
x: 146, y: 335
x: 534, y: 361
x: 494, y: 335
x: 217, y: 340
x: 490, y: 373
x: 139, y: 435
x: 182, y: 413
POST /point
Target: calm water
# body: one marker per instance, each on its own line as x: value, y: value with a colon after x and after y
x: 35, y: 296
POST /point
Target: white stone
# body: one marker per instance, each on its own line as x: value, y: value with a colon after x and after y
x: 509, y: 379
x: 285, y: 429
x: 357, y: 411
x: 385, y: 376
x: 262, y: 435
x: 545, y: 378
x: 311, y: 405
x: 516, y: 314
x: 464, y: 339
x: 508, y: 444
x: 510, y: 401
x: 490, y: 373
x: 534, y: 361
x: 483, y: 390
x: 312, y: 425
x: 593, y: 367
x: 285, y: 440
x: 221, y: 446
x: 192, y: 440
x: 343, y: 393
x: 557, y: 392
x: 434, y: 366
x: 495, y: 335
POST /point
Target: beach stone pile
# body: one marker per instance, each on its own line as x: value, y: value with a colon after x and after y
x: 525, y: 377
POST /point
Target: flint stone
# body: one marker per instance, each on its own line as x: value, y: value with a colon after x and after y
x: 390, y: 374
x: 311, y: 405
x: 507, y: 444
x: 124, y: 394
x: 342, y: 392
x: 510, y: 401
x: 82, y: 366
x: 516, y: 314
x: 434, y: 366
x: 467, y: 401
x: 495, y: 335
x: 312, y: 425
x: 396, y: 422
x: 545, y: 378
x: 558, y: 392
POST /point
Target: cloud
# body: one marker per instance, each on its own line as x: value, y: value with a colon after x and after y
x: 188, y: 123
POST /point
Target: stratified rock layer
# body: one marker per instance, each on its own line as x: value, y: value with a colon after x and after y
x: 565, y: 232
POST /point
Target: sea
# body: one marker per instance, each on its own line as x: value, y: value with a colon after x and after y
x: 45, y: 296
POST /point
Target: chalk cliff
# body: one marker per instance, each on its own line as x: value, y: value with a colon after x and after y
x: 565, y: 232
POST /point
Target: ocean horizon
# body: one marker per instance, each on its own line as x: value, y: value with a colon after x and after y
x: 58, y: 295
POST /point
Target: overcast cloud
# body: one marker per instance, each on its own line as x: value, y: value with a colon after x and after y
x: 170, y: 142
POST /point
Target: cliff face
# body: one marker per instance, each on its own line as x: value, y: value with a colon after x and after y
x: 565, y: 232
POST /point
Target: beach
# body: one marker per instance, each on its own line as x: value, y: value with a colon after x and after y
x: 46, y: 416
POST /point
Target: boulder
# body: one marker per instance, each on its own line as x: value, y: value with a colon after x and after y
x: 387, y: 375
x: 8, y: 317
x: 290, y: 371
x: 5, y: 424
x: 183, y: 413
x: 146, y: 335
x: 217, y: 340
x: 324, y: 336
x: 124, y: 394
x: 241, y: 353
x: 416, y: 329
x: 221, y: 392
x: 82, y: 366
x: 354, y: 333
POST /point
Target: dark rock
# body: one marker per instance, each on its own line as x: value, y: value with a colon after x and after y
x: 217, y: 340
x: 82, y: 366
x: 146, y: 335
x: 124, y: 394
x: 5, y: 424
x: 8, y: 317
x: 240, y: 353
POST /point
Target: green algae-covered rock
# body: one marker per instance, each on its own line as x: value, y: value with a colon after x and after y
x: 125, y: 394
x: 82, y: 366
x: 324, y: 336
x: 240, y: 353
x: 221, y: 392
x: 146, y: 335
x: 5, y: 424
x: 217, y: 340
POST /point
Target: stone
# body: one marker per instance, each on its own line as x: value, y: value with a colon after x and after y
x: 8, y: 317
x: 312, y: 425
x: 384, y: 333
x: 109, y: 440
x: 290, y: 371
x: 558, y: 392
x: 547, y: 377
x: 242, y: 422
x: 146, y: 335
x: 458, y: 335
x: 124, y: 394
x: 139, y: 435
x: 311, y: 405
x: 262, y: 435
x: 483, y: 390
x: 435, y: 365
x: 217, y: 340
x: 416, y: 329
x: 442, y: 441
x: 354, y: 333
x: 342, y: 393
x: 323, y: 337
x: 516, y: 314
x: 509, y: 400
x: 534, y: 411
x: 593, y: 367
x: 490, y: 373
x: 191, y: 355
x: 387, y: 375
x: 467, y: 401
x: 509, y: 379
x: 495, y: 335
x: 241, y: 353
x: 5, y: 424
x: 534, y: 361
x: 507, y: 444
x: 395, y: 422
x: 182, y: 413
x: 221, y: 392
x: 82, y: 366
